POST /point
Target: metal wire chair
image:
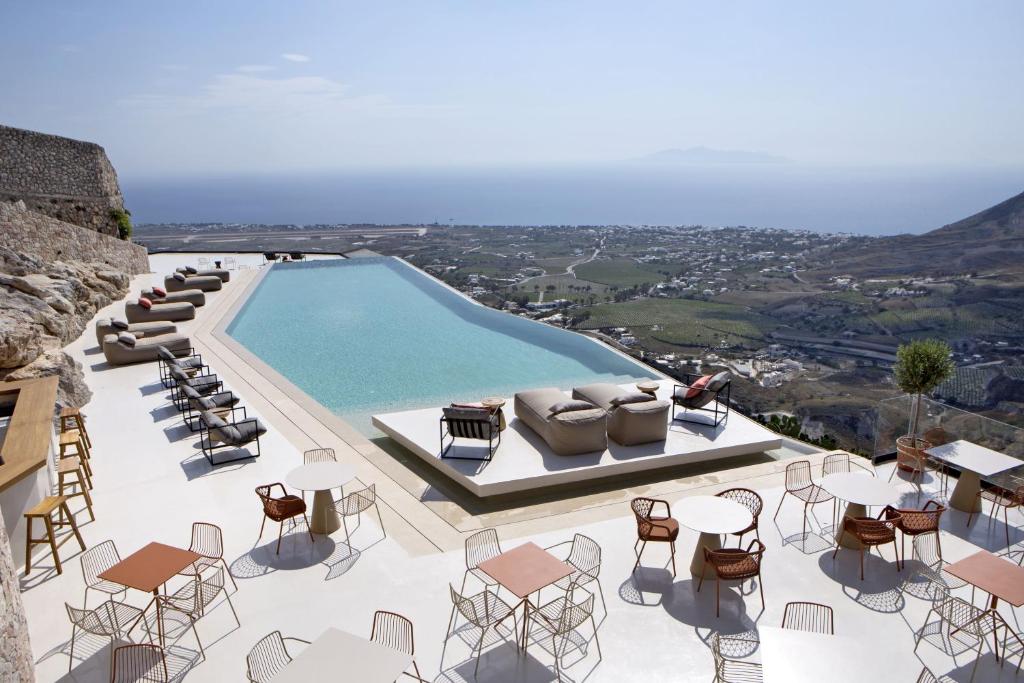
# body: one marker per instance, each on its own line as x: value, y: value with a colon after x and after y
x: 925, y: 550
x: 95, y: 561
x: 800, y: 485
x: 835, y: 463
x: 485, y: 611
x: 926, y: 676
x: 480, y: 547
x: 959, y: 616
x: 319, y: 455
x: 732, y: 670
x: 194, y: 597
x: 268, y: 656
x: 585, y: 560
x: 808, y: 616
x: 916, y: 523
x: 395, y: 631
x: 357, y: 502
x: 208, y: 541
x: 1011, y: 499
x: 110, y: 620
x: 750, y: 500
x: 139, y: 663
x: 560, y: 618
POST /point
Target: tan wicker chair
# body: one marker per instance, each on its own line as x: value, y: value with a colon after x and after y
x: 959, y: 616
x: 800, y: 485
x: 732, y: 670
x: 871, y: 533
x: 585, y: 560
x: 734, y: 564
x: 395, y: 631
x: 915, y: 523
x: 1008, y: 501
x: 133, y: 663
x: 654, y: 528
x: 480, y: 547
x: 750, y: 500
x: 280, y: 509
x: 268, y: 657
x: 95, y: 561
x: 809, y: 616
x: 208, y: 541
x: 485, y: 611
x: 559, y: 619
x: 110, y: 620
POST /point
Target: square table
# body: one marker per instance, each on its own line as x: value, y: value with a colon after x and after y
x: 524, y: 570
x: 149, y: 568
x: 792, y: 656
x: 343, y: 656
x: 1000, y: 578
x: 974, y: 462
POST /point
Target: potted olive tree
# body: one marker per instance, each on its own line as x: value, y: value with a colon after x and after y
x: 920, y: 366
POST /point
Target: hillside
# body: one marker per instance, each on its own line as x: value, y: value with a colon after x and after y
x: 989, y: 241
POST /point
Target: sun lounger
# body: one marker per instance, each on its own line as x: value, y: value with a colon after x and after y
x: 222, y: 273
x: 633, y: 418
x: 569, y: 427
x: 192, y: 296
x: 105, y: 326
x: 178, y: 282
x: 119, y: 350
x: 137, y: 313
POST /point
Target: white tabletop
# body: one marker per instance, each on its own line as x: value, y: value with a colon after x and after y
x: 337, y: 655
x: 791, y: 656
x: 974, y: 458
x: 320, y: 476
x: 860, y: 488
x: 712, y: 515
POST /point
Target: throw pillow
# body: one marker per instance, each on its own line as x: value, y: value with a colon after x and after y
x: 570, y: 406
x: 126, y: 338
x: 190, y: 270
x: 118, y: 324
x: 160, y: 291
x: 632, y: 397
x: 145, y: 303
x: 180, y: 277
x: 697, y: 387
x: 719, y: 380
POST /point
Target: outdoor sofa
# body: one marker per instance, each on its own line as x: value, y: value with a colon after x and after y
x: 105, y: 326
x: 125, y: 348
x: 633, y: 417
x: 568, y: 427
x: 179, y: 281
x: 137, y: 312
x: 196, y: 297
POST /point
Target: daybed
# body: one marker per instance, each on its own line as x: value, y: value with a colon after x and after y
x: 188, y: 271
x: 178, y: 282
x: 125, y: 348
x: 138, y: 313
x: 192, y: 296
x: 105, y: 326
x: 633, y: 418
x: 569, y: 427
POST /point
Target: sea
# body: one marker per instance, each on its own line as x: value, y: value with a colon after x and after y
x: 863, y: 200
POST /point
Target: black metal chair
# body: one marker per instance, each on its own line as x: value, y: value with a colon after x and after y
x: 218, y: 434
x: 196, y: 402
x: 698, y: 393
x: 480, y: 424
x: 202, y: 384
x: 191, y: 364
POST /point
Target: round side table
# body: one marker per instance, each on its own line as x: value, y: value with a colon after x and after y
x: 859, y: 491
x: 649, y: 387
x: 495, y: 404
x: 321, y: 477
x: 711, y: 516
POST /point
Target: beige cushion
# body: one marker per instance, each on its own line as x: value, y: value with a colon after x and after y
x: 567, y: 433
x: 126, y: 338
x: 634, y: 418
x: 568, y: 406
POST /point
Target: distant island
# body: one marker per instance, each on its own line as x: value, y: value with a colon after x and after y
x: 707, y: 155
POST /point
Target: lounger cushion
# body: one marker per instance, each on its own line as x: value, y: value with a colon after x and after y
x: 170, y: 312
x: 719, y: 381
x: 697, y: 387
x: 180, y: 277
x: 249, y: 430
x: 632, y: 397
x: 190, y: 270
x: 569, y: 433
x: 569, y: 406
x: 145, y: 303
x: 466, y: 413
x: 145, y: 349
x: 151, y: 329
x: 119, y: 324
x: 223, y: 399
x: 127, y: 338
x: 205, y: 283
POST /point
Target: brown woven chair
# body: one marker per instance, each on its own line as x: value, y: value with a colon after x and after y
x: 917, y: 522
x: 280, y: 509
x: 734, y: 564
x: 143, y: 662
x: 809, y: 616
x: 654, y: 528
x: 1007, y: 501
x: 871, y: 532
x: 800, y: 485
x: 750, y: 500
x: 395, y: 631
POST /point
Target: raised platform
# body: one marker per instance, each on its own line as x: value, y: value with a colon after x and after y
x: 524, y: 462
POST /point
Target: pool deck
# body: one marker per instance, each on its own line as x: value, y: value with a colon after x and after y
x: 524, y: 462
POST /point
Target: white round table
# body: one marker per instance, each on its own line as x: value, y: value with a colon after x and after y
x: 321, y: 477
x: 711, y: 516
x: 859, y: 491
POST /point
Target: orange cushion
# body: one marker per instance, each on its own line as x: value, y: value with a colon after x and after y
x: 145, y: 303
x: 697, y: 386
x: 160, y: 291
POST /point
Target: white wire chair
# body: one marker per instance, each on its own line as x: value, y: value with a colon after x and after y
x: 268, y: 657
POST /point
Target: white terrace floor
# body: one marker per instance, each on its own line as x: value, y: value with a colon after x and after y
x: 151, y: 483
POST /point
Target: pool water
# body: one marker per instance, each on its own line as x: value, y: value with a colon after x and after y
x: 375, y: 335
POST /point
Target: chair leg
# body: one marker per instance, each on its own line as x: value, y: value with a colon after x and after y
x: 262, y: 524
x: 232, y: 606
x: 861, y: 561
x: 639, y: 554
x: 228, y: 571
x: 71, y: 655
x: 718, y: 595
x: 53, y: 542
x: 309, y: 529
x: 760, y: 586
x: 380, y: 519
x: 672, y: 545
x: 280, y: 530
x: 781, y: 501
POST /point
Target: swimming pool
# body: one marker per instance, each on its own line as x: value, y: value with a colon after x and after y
x: 372, y: 335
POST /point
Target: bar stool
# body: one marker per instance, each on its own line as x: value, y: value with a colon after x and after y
x: 73, y: 439
x: 72, y: 418
x: 72, y: 467
x: 44, y: 509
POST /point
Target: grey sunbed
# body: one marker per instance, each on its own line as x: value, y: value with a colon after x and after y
x: 633, y: 417
x: 192, y: 296
x: 569, y: 427
x: 105, y: 326
x: 178, y: 282
x: 137, y: 313
x: 117, y: 352
x: 224, y: 275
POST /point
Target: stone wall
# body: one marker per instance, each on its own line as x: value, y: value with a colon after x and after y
x: 49, y: 239
x: 67, y: 179
x: 16, y: 662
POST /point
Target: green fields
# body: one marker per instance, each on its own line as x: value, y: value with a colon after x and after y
x: 621, y: 272
x: 964, y: 320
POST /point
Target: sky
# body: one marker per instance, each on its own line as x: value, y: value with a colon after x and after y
x: 244, y: 86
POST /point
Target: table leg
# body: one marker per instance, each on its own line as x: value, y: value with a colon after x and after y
x: 965, y: 493
x: 159, y: 619
x: 848, y: 540
x: 324, y: 519
x: 697, y: 566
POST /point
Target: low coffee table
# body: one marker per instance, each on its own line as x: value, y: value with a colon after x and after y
x: 712, y: 516
x: 321, y: 477
x: 495, y: 405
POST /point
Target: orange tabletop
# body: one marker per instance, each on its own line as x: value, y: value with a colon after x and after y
x: 150, y: 567
x: 1000, y: 578
x: 526, y: 569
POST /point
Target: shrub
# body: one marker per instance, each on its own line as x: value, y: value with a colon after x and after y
x: 124, y: 223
